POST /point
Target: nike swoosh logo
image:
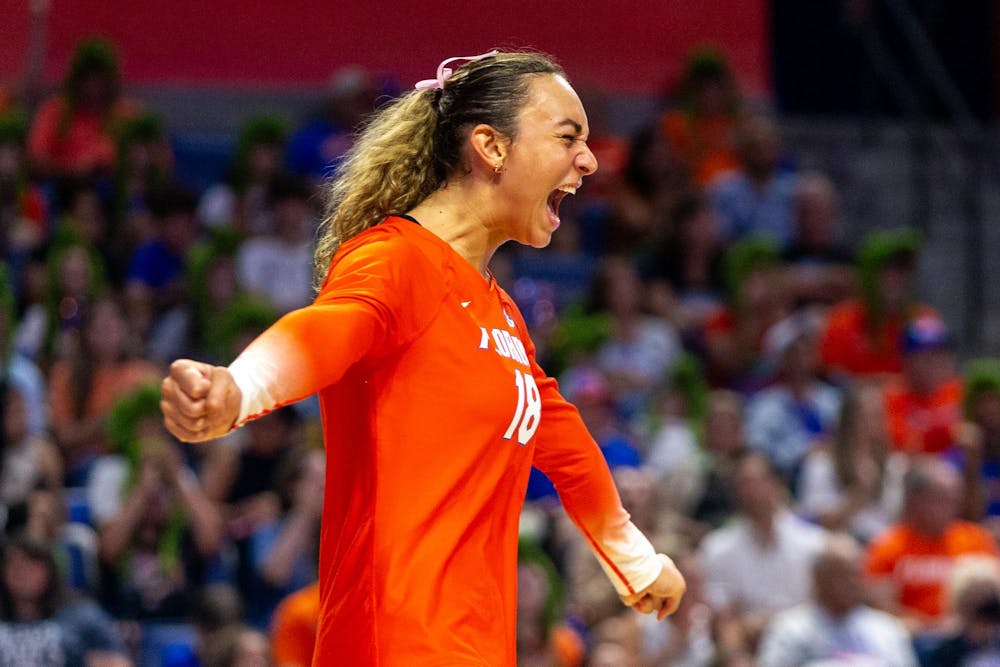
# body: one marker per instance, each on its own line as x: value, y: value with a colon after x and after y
x: 465, y: 304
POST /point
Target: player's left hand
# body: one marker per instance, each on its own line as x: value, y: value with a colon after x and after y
x: 663, y: 595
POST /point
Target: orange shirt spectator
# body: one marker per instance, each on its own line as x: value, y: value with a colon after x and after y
x: 73, y: 133
x: 923, y: 423
x: 924, y: 408
x: 77, y: 142
x: 293, y: 629
x: 849, y: 345
x: 109, y: 383
x: 910, y: 563
x: 700, y: 130
x: 704, y: 143
x: 82, y: 389
x: 920, y: 564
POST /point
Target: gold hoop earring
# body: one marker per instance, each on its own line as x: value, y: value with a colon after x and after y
x: 497, y: 168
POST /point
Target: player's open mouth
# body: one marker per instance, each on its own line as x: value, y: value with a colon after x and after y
x: 555, y: 199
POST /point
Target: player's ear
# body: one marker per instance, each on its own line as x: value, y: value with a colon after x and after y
x: 489, y: 147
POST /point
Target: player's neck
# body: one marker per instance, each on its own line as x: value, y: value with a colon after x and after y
x: 460, y: 218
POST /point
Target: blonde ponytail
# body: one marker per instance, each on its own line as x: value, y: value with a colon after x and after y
x: 389, y: 169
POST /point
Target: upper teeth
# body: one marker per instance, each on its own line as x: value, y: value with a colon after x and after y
x: 568, y: 188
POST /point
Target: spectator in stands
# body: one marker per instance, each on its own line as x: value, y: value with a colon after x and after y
x: 27, y: 460
x: 637, y: 210
x: 544, y: 639
x: 708, y: 108
x: 245, y: 483
x: 145, y: 167
x: 219, y: 607
x: 908, y: 565
x: 835, y: 624
x: 924, y: 406
x: 85, y: 221
x: 28, y: 332
x: 863, y: 337
x: 641, y: 348
x: 758, y: 563
x: 284, y: 551
x: 733, y: 337
x: 243, y: 202
x: 724, y: 443
x: 674, y: 453
x: 71, y: 540
x: 238, y: 646
x: 16, y: 367
x: 974, y: 600
x: 758, y: 199
x: 277, y: 266
x: 38, y: 626
x: 214, y: 287
x: 685, y: 271
x: 156, y: 288
x: 24, y: 211
x: 854, y: 483
x: 821, y: 269
x: 590, y: 390
x: 73, y: 133
x: 293, y: 627
x: 74, y: 279
x: 314, y: 151
x: 156, y: 539
x: 982, y: 409
x: 788, y: 418
x: 85, y: 384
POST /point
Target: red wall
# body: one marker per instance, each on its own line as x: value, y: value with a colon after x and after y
x: 626, y: 45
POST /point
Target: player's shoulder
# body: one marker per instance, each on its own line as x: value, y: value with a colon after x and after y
x: 396, y: 248
x: 392, y: 239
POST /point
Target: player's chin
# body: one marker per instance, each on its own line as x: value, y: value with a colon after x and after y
x: 539, y: 237
x: 540, y: 242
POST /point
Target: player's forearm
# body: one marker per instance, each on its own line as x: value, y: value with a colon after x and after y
x: 624, y: 553
x: 303, y: 352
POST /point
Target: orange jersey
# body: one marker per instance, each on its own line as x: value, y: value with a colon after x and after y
x: 923, y: 424
x: 434, y: 411
x: 920, y: 565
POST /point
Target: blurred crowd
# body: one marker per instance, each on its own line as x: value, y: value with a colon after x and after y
x: 783, y: 414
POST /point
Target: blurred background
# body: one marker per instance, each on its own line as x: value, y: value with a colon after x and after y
x: 776, y: 306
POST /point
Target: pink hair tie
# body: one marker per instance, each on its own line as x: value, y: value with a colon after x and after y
x: 444, y: 73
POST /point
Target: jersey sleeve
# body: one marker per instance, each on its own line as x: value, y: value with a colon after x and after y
x: 378, y: 295
x: 569, y: 456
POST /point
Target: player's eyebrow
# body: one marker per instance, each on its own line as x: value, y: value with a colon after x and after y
x: 569, y: 121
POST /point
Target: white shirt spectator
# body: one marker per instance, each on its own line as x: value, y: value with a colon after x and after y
x: 820, y: 492
x: 784, y: 428
x: 645, y: 359
x: 807, y: 635
x: 678, y: 461
x: 742, y: 572
x: 278, y: 271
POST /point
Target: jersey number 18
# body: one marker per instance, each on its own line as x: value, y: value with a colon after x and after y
x: 528, y: 413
